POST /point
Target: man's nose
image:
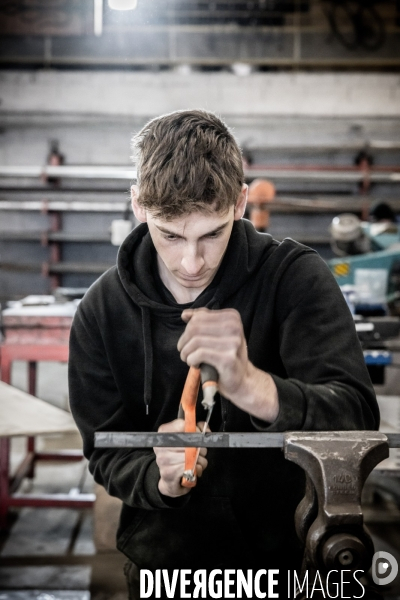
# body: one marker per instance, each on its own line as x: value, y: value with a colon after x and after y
x: 192, y: 261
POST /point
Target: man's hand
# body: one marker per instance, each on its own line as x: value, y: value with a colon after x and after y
x: 171, y: 461
x: 216, y: 337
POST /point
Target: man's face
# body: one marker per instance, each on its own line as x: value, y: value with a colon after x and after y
x: 190, y: 248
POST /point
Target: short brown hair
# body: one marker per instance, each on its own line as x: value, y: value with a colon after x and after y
x: 187, y: 161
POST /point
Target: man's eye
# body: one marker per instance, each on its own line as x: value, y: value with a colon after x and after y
x: 215, y: 234
x: 170, y: 237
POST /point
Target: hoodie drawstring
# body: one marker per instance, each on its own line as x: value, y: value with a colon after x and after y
x: 148, y: 357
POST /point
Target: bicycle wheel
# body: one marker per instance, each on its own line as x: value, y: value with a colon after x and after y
x: 341, y: 20
x: 371, y: 29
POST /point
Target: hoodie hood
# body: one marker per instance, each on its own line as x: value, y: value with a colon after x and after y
x: 245, y: 253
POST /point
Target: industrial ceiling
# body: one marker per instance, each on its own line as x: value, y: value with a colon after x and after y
x: 201, y: 35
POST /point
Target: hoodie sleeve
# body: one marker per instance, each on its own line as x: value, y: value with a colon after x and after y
x: 129, y: 474
x: 327, y: 386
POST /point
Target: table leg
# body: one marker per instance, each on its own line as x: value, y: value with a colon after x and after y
x: 30, y: 446
x: 5, y: 368
x: 4, y: 480
x: 32, y: 377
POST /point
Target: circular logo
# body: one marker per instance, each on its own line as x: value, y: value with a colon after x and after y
x: 384, y: 568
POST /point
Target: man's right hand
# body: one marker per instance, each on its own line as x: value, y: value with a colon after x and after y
x: 171, y: 461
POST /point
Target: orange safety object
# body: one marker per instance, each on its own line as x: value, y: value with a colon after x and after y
x: 188, y: 403
x: 261, y: 192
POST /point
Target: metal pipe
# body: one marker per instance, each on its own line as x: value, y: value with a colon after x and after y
x: 62, y: 206
x: 110, y: 61
x: 282, y: 204
x: 62, y: 267
x: 65, y: 171
x: 46, y: 236
x: 290, y: 173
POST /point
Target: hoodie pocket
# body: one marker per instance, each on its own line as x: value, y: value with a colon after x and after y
x: 202, y: 534
x: 124, y: 537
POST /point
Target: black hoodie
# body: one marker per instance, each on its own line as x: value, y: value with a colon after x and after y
x: 126, y: 375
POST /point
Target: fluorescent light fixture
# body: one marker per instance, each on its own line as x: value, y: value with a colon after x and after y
x: 98, y: 17
x: 122, y: 4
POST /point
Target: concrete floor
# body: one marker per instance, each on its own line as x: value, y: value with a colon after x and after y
x: 54, y: 549
x: 51, y: 554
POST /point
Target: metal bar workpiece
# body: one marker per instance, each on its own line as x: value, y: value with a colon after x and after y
x: 151, y: 439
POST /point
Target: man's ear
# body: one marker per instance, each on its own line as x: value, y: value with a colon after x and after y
x: 138, y: 210
x: 240, y: 206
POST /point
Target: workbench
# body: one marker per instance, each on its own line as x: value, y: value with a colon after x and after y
x: 35, y: 329
x: 24, y: 415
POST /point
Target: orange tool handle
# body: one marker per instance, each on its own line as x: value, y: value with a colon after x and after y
x: 188, y: 402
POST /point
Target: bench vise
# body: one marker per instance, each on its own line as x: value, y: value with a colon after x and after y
x: 329, y: 519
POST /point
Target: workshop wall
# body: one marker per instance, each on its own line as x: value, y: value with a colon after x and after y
x: 280, y: 119
x: 136, y: 94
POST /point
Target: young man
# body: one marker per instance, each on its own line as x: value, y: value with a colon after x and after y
x: 195, y: 283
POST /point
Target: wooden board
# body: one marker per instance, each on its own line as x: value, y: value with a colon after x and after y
x: 23, y: 414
